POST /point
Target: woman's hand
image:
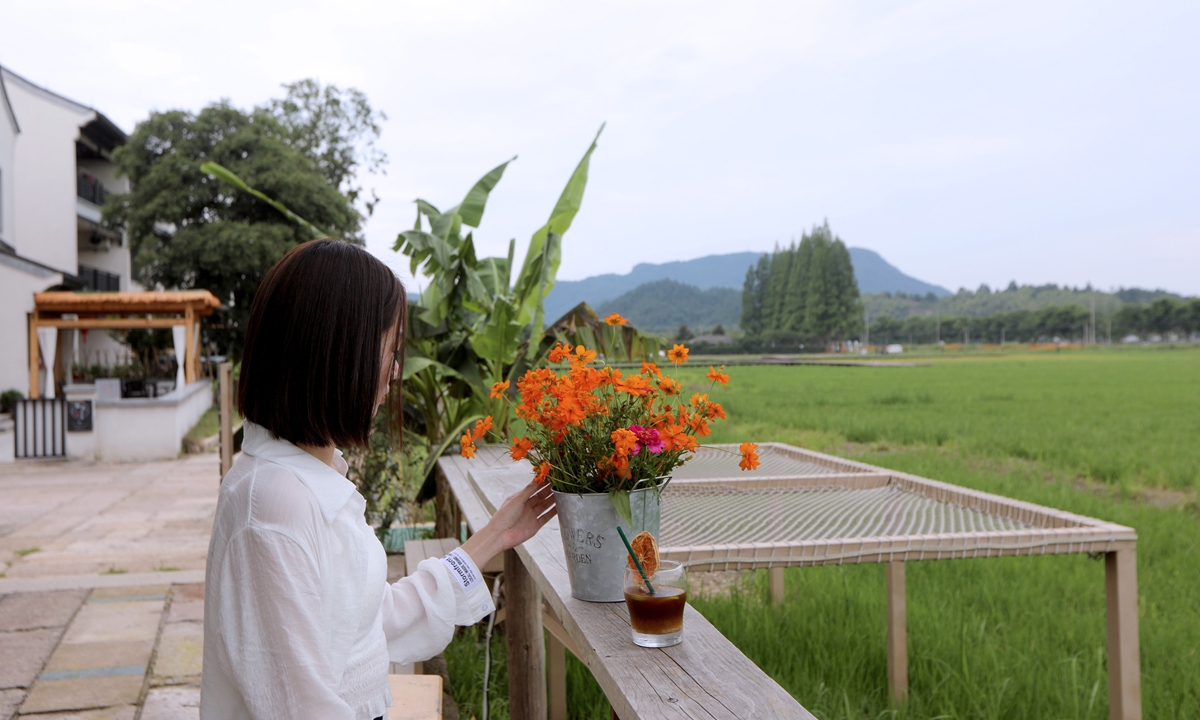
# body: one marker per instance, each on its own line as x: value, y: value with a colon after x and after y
x: 517, y: 520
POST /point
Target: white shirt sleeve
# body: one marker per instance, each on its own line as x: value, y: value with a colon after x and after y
x: 271, y: 615
x: 421, y: 610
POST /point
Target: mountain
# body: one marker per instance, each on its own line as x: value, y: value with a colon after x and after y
x: 874, y: 274
x: 663, y: 305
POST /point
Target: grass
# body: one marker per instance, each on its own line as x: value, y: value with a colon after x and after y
x: 208, y: 425
x: 1107, y: 433
x: 26, y: 551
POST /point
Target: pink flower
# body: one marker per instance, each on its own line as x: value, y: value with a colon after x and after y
x: 647, y: 438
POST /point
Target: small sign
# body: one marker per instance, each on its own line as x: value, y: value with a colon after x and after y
x: 79, y: 416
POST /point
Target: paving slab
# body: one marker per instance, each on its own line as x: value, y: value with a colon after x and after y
x: 180, y: 651
x: 121, y: 712
x: 24, y: 654
x: 187, y: 603
x: 156, y: 591
x: 86, y: 656
x: 172, y: 703
x: 89, y: 517
x: 10, y: 700
x: 27, y: 611
x: 83, y: 693
x: 115, y: 622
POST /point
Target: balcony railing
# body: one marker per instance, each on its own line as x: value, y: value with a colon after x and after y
x: 91, y: 189
x: 96, y: 279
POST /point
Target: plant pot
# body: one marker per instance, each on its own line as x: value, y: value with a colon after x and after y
x: 595, y: 554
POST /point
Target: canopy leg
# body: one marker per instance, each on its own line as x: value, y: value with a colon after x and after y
x: 776, y: 585
x: 556, y: 680
x: 526, y: 646
x: 1124, y: 672
x: 897, y: 633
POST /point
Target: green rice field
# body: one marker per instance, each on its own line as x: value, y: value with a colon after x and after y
x: 1110, y: 433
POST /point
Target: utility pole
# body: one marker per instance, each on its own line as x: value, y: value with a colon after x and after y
x: 1093, y: 341
x: 867, y: 339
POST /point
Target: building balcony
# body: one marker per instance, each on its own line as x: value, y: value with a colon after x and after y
x: 100, y: 280
x: 89, y: 188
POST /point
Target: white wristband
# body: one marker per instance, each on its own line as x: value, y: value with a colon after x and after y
x: 462, y: 569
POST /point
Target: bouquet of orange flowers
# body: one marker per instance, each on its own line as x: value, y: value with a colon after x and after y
x: 595, y: 429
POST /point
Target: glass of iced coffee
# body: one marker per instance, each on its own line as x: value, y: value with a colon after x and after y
x: 656, y: 612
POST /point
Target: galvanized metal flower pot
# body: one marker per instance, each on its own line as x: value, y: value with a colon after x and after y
x: 595, y: 554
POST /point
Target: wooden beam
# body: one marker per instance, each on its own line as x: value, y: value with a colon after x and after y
x: 189, y: 371
x: 556, y: 678
x: 897, y: 633
x: 1124, y: 671
x: 111, y: 323
x: 225, y: 384
x: 34, y: 390
x: 526, y: 649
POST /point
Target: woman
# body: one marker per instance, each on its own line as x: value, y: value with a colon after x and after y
x: 300, y: 621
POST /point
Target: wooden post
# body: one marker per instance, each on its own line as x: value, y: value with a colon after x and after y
x: 189, y: 372
x: 225, y: 407
x: 1124, y: 671
x: 897, y: 633
x: 34, y: 390
x: 446, y: 522
x: 776, y: 585
x: 526, y: 648
x: 556, y: 677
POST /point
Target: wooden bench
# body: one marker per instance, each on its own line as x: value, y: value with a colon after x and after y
x: 415, y: 697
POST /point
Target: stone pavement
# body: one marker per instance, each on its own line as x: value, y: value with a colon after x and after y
x: 101, y: 604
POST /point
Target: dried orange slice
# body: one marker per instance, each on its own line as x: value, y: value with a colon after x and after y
x: 646, y: 549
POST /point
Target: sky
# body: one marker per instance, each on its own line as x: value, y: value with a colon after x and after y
x: 967, y: 143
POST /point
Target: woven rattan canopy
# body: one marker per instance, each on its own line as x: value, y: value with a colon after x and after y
x: 805, y: 508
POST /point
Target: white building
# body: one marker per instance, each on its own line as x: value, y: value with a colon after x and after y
x: 55, y: 171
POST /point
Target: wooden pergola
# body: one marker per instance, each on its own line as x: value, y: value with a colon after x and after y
x: 121, y: 311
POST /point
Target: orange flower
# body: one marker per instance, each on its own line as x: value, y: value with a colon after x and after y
x: 498, y: 390
x: 582, y: 357
x: 560, y: 352
x: 675, y: 438
x: 749, y: 457
x: 649, y: 369
x: 520, y: 448
x: 468, y: 445
x: 543, y: 472
x: 482, y: 427
x: 715, y: 411
x: 678, y: 354
x: 718, y: 375
x: 669, y: 386
x: 635, y: 385
x: 699, y: 425
x: 615, y: 319
x: 624, y: 441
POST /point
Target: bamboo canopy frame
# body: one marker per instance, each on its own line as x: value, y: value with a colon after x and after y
x: 121, y: 311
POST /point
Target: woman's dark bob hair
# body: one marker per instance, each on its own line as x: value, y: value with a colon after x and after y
x: 313, y: 358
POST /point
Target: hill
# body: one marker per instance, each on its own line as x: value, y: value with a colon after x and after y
x: 985, y: 302
x: 662, y: 306
x: 874, y: 275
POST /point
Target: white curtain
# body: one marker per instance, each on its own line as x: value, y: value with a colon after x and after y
x: 179, y: 336
x: 48, y: 341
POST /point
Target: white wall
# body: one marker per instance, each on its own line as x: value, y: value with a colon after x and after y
x: 149, y: 428
x: 8, y: 139
x: 16, y: 301
x: 45, y: 175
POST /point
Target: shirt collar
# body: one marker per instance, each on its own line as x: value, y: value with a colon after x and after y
x: 330, y: 487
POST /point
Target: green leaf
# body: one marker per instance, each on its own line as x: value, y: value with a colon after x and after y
x: 620, y: 501
x: 414, y: 365
x: 227, y: 176
x: 472, y: 206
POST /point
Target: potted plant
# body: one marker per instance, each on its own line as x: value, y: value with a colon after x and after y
x: 607, y: 442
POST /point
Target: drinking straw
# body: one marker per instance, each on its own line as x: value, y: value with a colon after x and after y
x: 636, y: 562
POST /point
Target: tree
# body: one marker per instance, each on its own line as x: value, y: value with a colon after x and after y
x: 186, y: 230
x: 718, y: 330
x: 683, y: 334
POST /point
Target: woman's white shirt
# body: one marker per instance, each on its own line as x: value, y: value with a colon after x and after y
x: 300, y: 621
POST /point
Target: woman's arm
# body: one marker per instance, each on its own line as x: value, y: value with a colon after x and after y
x: 420, y: 611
